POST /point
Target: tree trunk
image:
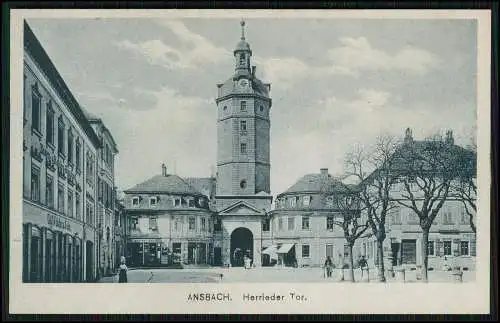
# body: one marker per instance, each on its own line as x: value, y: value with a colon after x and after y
x: 380, y: 255
x: 351, y: 263
x: 425, y: 243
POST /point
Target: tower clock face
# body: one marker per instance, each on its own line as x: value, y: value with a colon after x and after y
x: 243, y: 83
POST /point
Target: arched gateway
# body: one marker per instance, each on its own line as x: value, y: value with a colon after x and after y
x: 241, y: 245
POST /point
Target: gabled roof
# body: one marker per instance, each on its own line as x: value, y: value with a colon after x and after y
x: 171, y: 184
x: 240, y: 204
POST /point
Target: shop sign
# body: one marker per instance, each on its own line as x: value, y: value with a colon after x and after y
x: 56, y: 221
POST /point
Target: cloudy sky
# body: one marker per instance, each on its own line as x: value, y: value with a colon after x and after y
x: 335, y: 82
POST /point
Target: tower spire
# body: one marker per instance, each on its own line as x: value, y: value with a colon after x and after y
x: 242, y: 23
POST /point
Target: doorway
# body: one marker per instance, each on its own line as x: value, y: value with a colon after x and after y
x: 241, y: 246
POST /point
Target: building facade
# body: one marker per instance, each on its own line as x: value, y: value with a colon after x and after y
x: 451, y: 239
x: 170, y: 221
x: 220, y: 220
x: 59, y: 176
x: 106, y: 196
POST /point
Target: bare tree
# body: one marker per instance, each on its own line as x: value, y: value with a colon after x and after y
x: 465, y: 187
x: 426, y: 170
x: 375, y: 189
x: 350, y: 220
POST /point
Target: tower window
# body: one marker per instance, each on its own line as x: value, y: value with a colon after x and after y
x: 261, y: 108
x: 243, y: 125
x: 243, y: 184
x: 224, y: 108
x: 243, y: 148
x: 242, y: 59
x: 243, y: 106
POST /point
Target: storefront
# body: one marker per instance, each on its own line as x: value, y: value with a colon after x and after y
x: 52, y: 246
x: 144, y: 252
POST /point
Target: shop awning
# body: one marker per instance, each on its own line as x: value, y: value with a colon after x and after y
x: 285, y: 248
x: 270, y: 250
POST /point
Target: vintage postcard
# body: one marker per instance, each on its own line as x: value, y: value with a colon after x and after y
x: 250, y: 161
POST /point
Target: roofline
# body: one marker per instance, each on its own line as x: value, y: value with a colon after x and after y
x: 143, y: 210
x: 99, y: 120
x: 311, y: 192
x: 131, y: 191
x: 33, y: 46
x: 235, y: 197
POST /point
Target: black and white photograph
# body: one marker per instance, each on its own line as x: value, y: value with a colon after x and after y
x: 193, y: 151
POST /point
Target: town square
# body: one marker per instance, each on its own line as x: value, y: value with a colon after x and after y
x: 235, y: 150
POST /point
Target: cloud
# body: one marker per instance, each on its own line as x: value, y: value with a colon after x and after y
x: 194, y: 51
x: 357, y: 54
x: 326, y: 130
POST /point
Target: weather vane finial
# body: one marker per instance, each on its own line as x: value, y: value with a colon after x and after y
x: 242, y: 23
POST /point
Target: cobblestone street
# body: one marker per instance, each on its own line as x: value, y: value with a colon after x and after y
x: 266, y: 275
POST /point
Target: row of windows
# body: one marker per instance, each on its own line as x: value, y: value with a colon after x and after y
x: 243, y: 107
x: 68, y: 202
x: 105, y: 193
x: 305, y: 224
x: 67, y: 145
x: 445, y: 248
x: 176, y: 202
x: 446, y: 217
x: 205, y: 225
x: 294, y: 201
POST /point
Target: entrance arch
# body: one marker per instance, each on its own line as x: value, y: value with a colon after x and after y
x: 241, y: 245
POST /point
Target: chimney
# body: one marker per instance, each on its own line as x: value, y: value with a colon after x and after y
x: 408, y: 136
x: 324, y: 171
x: 254, y: 68
x: 449, y: 137
x: 163, y: 170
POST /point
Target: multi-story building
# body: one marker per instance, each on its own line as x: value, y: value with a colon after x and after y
x: 304, y: 223
x: 105, y: 196
x: 59, y: 176
x: 170, y: 221
x: 220, y: 220
x: 451, y: 238
x: 120, y: 231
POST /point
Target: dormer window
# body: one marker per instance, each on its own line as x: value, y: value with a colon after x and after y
x: 183, y: 202
x: 191, y: 203
x: 306, y: 200
x: 153, y: 201
x: 177, y: 202
x: 135, y: 201
x: 329, y: 201
x: 292, y: 202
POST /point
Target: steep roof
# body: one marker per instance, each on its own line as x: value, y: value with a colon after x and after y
x: 204, y: 185
x: 316, y: 183
x: 171, y: 184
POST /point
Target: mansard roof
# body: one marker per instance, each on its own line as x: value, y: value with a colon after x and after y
x: 316, y: 183
x: 170, y: 184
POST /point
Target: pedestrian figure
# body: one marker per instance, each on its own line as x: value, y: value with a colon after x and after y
x: 328, y: 266
x: 247, y: 262
x: 122, y: 273
x: 446, y: 267
x: 363, y: 265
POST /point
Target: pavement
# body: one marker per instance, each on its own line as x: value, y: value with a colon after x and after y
x: 266, y: 275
